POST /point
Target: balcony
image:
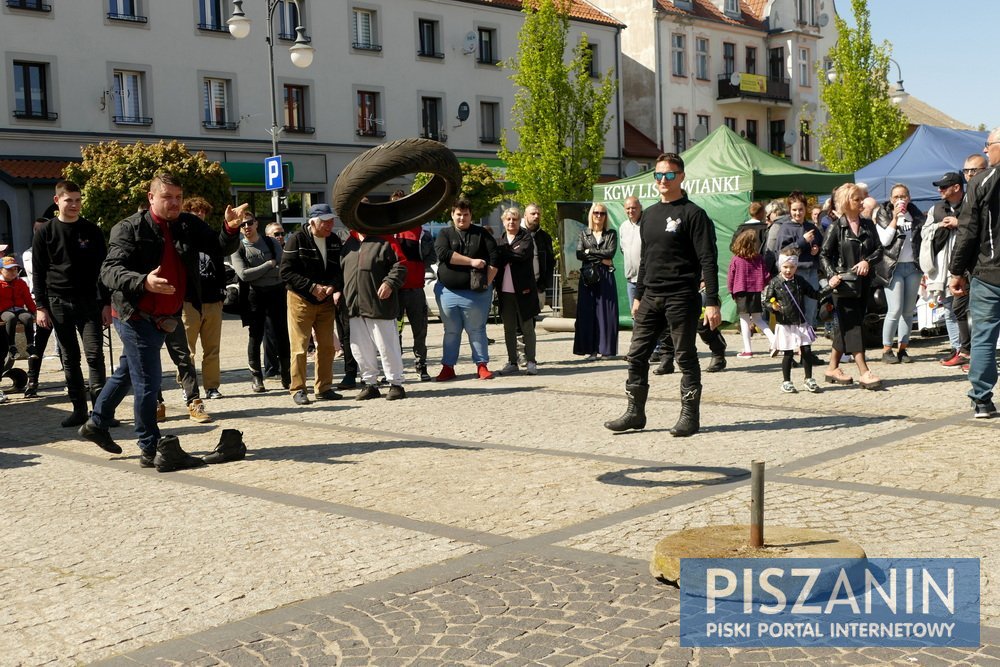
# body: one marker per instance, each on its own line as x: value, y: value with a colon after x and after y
x: 754, y: 87
x: 430, y: 54
x: 35, y: 115
x: 214, y: 27
x: 291, y: 37
x: 366, y: 46
x: 132, y: 120
x: 370, y: 132
x: 130, y: 18
x: 216, y: 125
x: 298, y: 129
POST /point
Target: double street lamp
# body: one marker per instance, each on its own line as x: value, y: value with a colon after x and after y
x: 897, y: 95
x: 301, y: 53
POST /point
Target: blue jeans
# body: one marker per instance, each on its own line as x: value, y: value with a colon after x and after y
x: 138, y: 369
x: 463, y: 310
x: 630, y: 288
x: 984, y: 305
x: 951, y: 322
x: 900, y: 299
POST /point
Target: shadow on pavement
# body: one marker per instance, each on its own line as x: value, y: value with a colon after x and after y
x: 331, y: 452
x: 626, y: 477
x: 809, y: 423
x: 9, y: 460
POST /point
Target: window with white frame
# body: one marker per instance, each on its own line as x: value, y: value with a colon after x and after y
x: 31, y: 92
x: 680, y: 132
x: 365, y: 29
x: 488, y: 52
x: 678, y: 58
x: 429, y: 36
x: 701, y: 58
x: 126, y: 10
x: 807, y: 11
x: 431, y: 126
x: 212, y: 15
x: 129, y: 99
x: 369, y: 106
x: 733, y: 7
x: 489, y: 122
x: 217, y: 112
x: 805, y: 72
x: 288, y: 19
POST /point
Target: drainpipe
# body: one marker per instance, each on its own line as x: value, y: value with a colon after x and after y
x: 618, y: 101
x: 657, y: 86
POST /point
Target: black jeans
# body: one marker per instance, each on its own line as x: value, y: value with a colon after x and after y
x: 68, y: 320
x: 713, y: 338
x: 187, y: 375
x: 413, y: 304
x: 675, y: 314
x: 268, y: 304
x: 344, y: 334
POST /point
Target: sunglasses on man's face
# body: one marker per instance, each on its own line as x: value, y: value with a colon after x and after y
x: 248, y: 223
x: 669, y: 175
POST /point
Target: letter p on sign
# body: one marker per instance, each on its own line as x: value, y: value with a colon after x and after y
x: 274, y: 177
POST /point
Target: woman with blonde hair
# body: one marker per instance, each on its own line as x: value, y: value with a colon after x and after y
x: 517, y: 294
x: 596, y: 332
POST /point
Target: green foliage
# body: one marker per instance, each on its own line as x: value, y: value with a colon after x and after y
x: 480, y: 186
x: 560, y: 116
x: 864, y: 124
x: 115, y: 178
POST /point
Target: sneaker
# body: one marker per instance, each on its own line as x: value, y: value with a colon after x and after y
x: 161, y: 411
x: 196, y: 411
x: 788, y: 387
x: 773, y: 352
x: 483, y: 372
x: 396, y: 392
x: 903, y: 357
x: 812, y: 386
x: 591, y: 357
x: 301, y: 397
x: 369, y: 392
x: 983, y: 409
x: 532, y: 368
x: 954, y: 360
x: 30, y: 390
x: 212, y: 393
x: 3, y: 397
x: 509, y: 369
x: 889, y: 358
x: 965, y: 368
x: 447, y: 373
x: 745, y: 355
x: 424, y: 375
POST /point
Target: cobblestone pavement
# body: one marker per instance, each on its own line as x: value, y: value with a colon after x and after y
x: 475, y: 523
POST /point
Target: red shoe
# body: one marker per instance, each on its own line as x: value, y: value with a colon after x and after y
x: 965, y: 368
x: 954, y: 360
x: 447, y: 373
x: 484, y: 373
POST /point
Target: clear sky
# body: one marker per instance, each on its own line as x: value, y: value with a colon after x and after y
x: 947, y: 52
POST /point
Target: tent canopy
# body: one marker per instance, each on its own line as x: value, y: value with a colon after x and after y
x: 920, y: 160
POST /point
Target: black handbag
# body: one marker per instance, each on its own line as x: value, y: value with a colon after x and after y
x: 590, y: 274
x: 849, y: 286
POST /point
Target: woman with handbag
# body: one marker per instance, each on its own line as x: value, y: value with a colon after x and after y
x: 850, y: 250
x: 467, y: 260
x: 517, y: 294
x: 596, y: 333
x: 898, y: 223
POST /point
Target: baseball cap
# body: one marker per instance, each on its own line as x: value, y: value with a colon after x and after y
x: 949, y: 179
x: 10, y: 262
x: 321, y: 211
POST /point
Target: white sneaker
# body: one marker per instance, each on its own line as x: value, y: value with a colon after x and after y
x: 592, y: 357
x: 509, y: 369
x: 532, y: 368
x: 3, y: 397
x: 812, y: 386
x: 788, y: 388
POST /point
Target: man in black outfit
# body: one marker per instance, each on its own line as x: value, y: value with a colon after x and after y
x: 67, y: 253
x: 678, y: 252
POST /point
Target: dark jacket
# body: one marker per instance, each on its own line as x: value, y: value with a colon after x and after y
x: 977, y: 248
x: 66, y: 261
x: 212, y: 270
x: 794, y: 234
x: 589, y: 250
x: 842, y: 249
x: 302, y: 265
x: 136, y: 248
x: 799, y: 288
x: 518, y: 255
x: 366, y: 265
x: 546, y: 257
x: 475, y: 243
x: 883, y: 216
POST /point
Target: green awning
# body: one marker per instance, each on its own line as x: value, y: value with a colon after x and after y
x: 251, y: 174
x: 497, y: 165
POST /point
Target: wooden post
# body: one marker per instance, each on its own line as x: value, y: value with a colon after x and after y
x: 757, y: 504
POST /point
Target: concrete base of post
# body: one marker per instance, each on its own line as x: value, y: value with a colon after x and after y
x: 558, y: 324
x: 734, y: 542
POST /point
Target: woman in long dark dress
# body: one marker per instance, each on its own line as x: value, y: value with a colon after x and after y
x: 596, y: 333
x: 851, y: 248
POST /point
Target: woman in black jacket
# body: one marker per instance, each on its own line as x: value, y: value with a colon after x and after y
x: 850, y: 251
x: 517, y: 294
x: 597, y: 297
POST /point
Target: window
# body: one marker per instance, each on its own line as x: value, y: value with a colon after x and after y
x: 365, y: 30
x: 488, y: 46
x: 592, y: 63
x: 804, y: 77
x: 807, y: 12
x: 428, y: 34
x: 217, y: 114
x: 777, y: 138
x: 701, y: 58
x: 295, y: 109
x: 730, y: 122
x: 751, y: 60
x: 678, y: 58
x: 128, y: 99
x: 288, y: 20
x: 31, y: 94
x: 776, y: 64
x: 680, y: 132
x: 703, y: 121
x: 728, y: 58
x: 430, y: 119
x: 805, y: 147
x: 733, y: 7
x: 370, y: 122
x: 35, y: 5
x: 751, y: 133
x: 212, y: 16
x: 125, y: 10
x: 489, y: 122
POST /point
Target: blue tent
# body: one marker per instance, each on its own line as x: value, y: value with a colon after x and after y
x: 919, y: 161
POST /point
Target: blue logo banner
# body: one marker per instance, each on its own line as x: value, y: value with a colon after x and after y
x: 754, y: 602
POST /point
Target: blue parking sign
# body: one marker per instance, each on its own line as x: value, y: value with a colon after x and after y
x: 274, y: 177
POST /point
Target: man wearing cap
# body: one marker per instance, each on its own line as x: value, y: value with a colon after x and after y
x: 937, y: 242
x: 310, y: 269
x: 16, y: 307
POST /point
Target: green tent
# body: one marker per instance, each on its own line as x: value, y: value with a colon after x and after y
x: 723, y: 173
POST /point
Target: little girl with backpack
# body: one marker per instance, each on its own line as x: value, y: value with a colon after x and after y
x: 792, y: 333
x: 748, y: 275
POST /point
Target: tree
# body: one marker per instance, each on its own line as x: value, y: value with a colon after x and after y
x: 115, y: 178
x: 560, y: 115
x: 863, y: 124
x: 479, y: 185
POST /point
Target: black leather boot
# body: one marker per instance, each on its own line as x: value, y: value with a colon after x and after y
x: 635, y: 413
x: 230, y: 447
x: 666, y: 366
x: 79, y: 415
x: 687, y: 424
x: 170, y: 456
x: 34, y: 366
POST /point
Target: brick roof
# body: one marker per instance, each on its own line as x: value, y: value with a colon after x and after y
x: 637, y: 144
x: 580, y: 10
x: 24, y: 170
x: 750, y: 12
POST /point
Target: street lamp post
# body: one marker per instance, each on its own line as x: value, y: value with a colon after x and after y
x: 897, y: 95
x: 301, y: 54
